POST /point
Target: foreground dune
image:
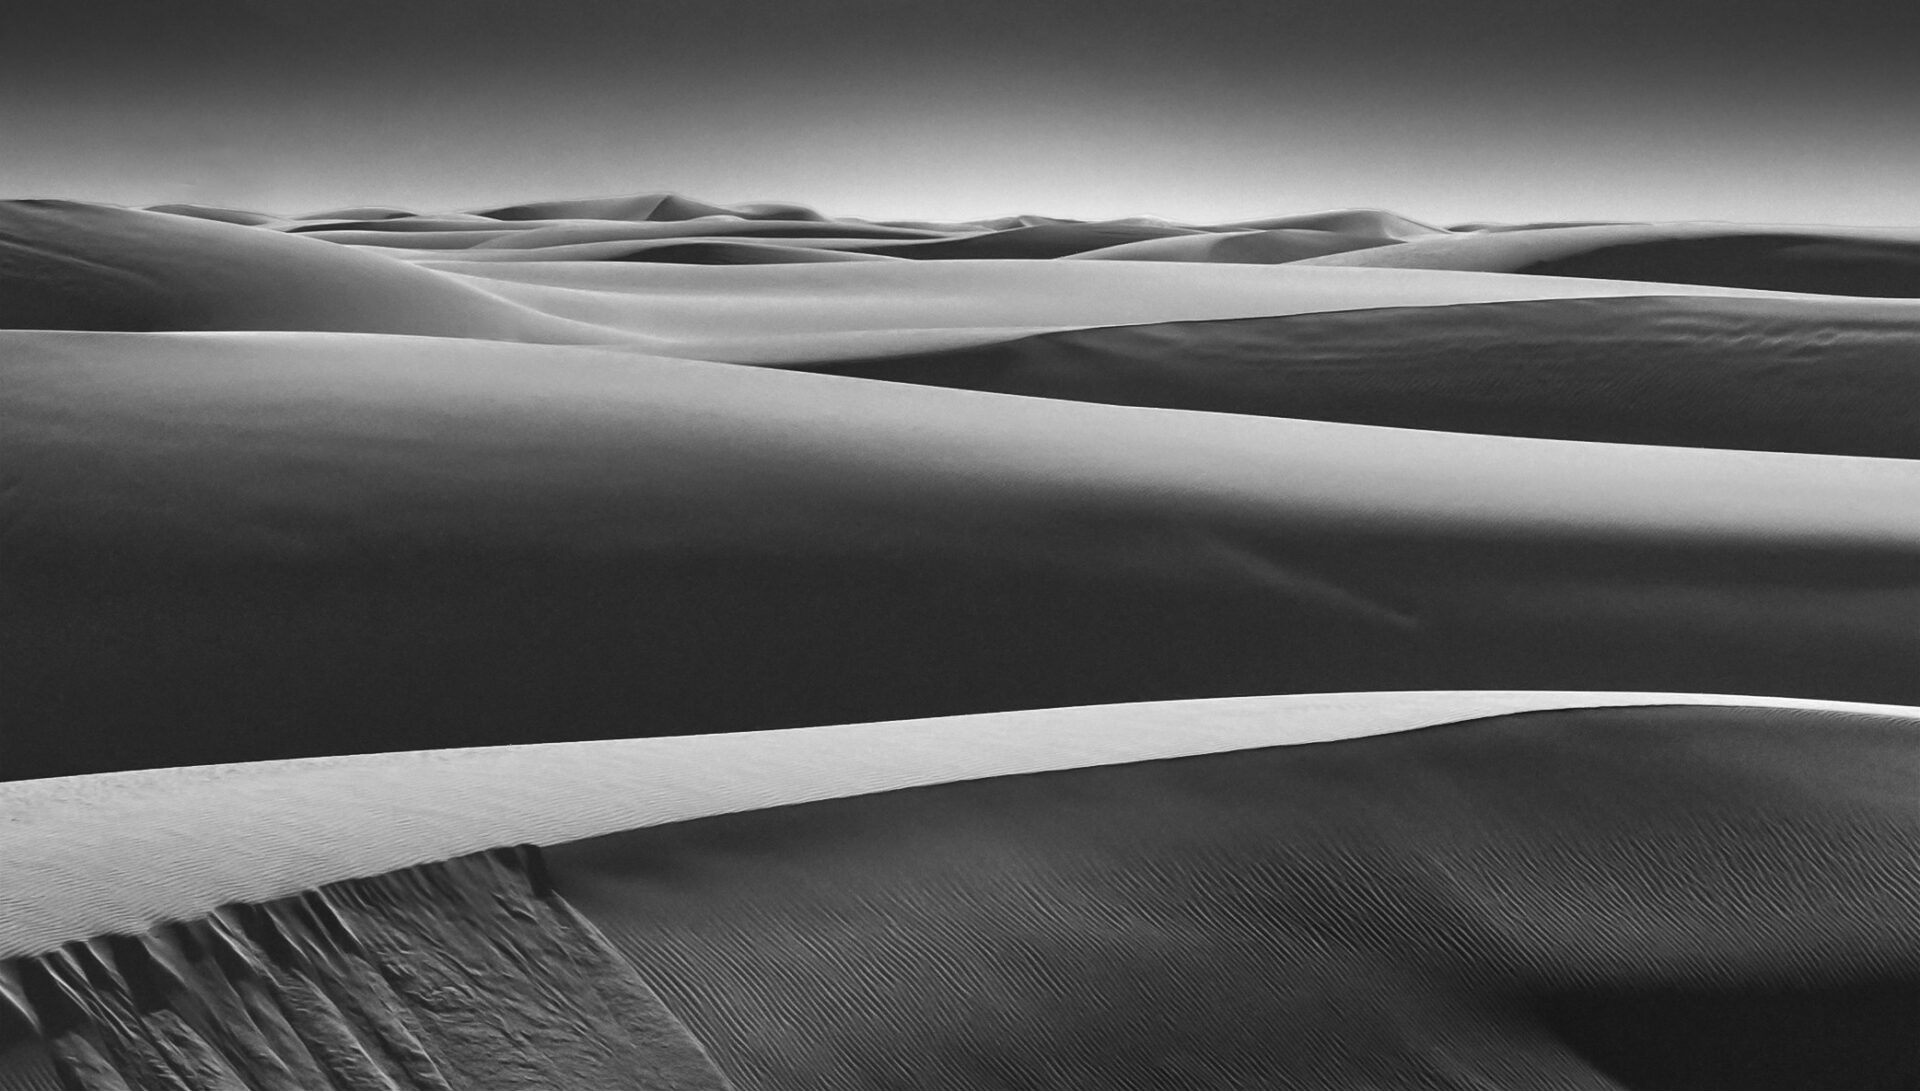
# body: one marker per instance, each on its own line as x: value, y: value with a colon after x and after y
x: 122, y: 852
x: 1534, y: 894
x: 1281, y: 653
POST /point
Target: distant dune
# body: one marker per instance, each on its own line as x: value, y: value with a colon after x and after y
x: 638, y: 642
x: 1822, y: 261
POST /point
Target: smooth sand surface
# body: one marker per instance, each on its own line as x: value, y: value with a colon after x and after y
x: 121, y: 852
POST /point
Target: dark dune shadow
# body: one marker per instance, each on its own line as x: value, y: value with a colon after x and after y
x: 1745, y: 374
x: 113, y: 667
x: 1855, y: 1035
x: 1780, y: 263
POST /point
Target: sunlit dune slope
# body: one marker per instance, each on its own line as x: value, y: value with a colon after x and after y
x: 88, y: 267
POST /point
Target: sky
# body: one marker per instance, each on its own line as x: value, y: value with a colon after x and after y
x: 1195, y: 110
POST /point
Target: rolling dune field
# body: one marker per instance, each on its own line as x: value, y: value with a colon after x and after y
x: 639, y: 642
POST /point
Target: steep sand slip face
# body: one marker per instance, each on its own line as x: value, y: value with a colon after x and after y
x: 89, y: 267
x: 1685, y: 899
x: 282, y: 545
x: 1827, y: 261
x: 1812, y: 374
x: 121, y: 852
x: 466, y: 974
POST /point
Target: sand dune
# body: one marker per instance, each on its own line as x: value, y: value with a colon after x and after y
x: 1640, y: 898
x: 1828, y: 261
x: 787, y: 314
x: 1241, y: 247
x: 1811, y: 374
x: 647, y: 207
x: 1277, y: 653
x: 123, y: 852
x: 361, y: 542
x: 1365, y: 222
x: 1475, y: 885
x: 88, y: 267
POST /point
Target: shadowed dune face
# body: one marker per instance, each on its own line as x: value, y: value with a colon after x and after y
x: 1780, y: 263
x: 1812, y: 375
x: 1699, y: 899
x: 1843, y: 262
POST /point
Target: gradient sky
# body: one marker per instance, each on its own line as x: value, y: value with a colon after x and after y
x: 1204, y: 110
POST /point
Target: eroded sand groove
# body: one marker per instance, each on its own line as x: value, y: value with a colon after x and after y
x: 450, y: 976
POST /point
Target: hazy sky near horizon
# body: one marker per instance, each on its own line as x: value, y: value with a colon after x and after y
x: 1444, y: 110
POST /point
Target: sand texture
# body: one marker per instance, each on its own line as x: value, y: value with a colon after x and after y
x: 640, y: 642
